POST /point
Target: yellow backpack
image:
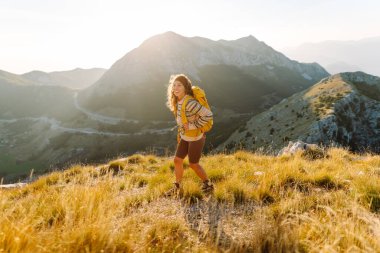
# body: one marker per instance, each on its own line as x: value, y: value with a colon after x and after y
x: 200, y: 96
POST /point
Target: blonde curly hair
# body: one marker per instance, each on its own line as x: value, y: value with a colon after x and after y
x: 172, y: 100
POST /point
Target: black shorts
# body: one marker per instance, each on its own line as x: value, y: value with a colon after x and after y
x: 191, y: 148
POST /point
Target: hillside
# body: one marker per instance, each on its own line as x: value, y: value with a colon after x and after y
x: 343, y: 110
x: 261, y: 204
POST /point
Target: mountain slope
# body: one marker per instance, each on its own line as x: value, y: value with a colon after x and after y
x: 343, y: 109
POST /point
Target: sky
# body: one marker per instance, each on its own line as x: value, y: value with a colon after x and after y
x: 55, y: 35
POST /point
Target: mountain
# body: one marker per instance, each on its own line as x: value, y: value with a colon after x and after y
x: 343, y: 109
x: 243, y: 75
x: 48, y: 127
x: 75, y: 79
x: 341, y: 56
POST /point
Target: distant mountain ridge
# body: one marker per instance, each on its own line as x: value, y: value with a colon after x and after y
x: 7, y: 78
x: 38, y: 93
x: 341, y: 56
x: 75, y: 79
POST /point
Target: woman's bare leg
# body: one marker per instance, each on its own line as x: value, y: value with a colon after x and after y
x: 178, y: 169
x: 199, y: 171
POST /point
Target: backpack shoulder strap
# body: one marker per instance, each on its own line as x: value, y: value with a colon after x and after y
x: 183, y: 109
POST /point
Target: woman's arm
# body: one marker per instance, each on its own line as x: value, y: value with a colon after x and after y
x: 202, y: 114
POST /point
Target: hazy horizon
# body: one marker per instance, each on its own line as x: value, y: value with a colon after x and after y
x: 56, y: 36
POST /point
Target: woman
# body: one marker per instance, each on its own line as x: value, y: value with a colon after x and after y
x: 197, y: 116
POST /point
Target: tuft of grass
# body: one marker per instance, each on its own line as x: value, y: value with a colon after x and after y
x: 369, y: 192
x: 266, y: 198
x: 165, y: 236
x: 314, y: 153
x: 192, y: 192
x: 138, y: 180
x: 136, y: 159
x: 325, y: 181
x: 216, y: 174
x: 117, y: 166
x: 153, y: 159
x: 293, y: 183
x: 234, y: 191
x: 243, y: 156
x: 373, y: 198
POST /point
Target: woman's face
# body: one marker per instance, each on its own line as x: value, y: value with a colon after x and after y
x: 178, y: 89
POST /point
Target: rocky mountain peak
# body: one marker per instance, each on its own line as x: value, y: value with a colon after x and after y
x: 166, y: 40
x: 248, y: 39
x: 248, y: 44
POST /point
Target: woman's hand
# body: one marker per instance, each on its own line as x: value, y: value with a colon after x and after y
x: 186, y: 126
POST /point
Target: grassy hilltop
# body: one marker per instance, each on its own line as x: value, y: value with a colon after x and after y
x: 261, y: 204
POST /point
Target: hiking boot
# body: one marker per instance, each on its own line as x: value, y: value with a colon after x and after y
x: 176, y: 191
x: 207, y: 187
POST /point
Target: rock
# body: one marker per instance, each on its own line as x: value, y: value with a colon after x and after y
x: 293, y: 147
x: 10, y: 186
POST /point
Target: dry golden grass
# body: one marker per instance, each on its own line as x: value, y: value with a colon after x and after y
x: 260, y: 204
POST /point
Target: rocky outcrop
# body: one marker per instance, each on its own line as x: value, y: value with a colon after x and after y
x: 294, y: 147
x: 355, y: 121
x: 341, y: 110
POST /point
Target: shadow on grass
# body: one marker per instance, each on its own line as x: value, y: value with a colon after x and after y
x: 206, y: 218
